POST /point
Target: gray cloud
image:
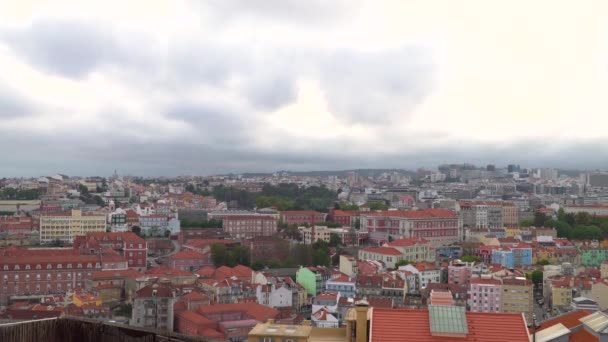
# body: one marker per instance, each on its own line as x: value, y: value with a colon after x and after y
x: 70, y: 48
x: 13, y: 104
x: 376, y: 87
x: 74, y: 48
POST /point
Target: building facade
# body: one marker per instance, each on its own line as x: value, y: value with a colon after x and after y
x: 438, y: 226
x: 249, y: 226
x: 485, y: 295
x: 66, y: 226
x: 36, y: 272
x: 518, y: 296
x: 153, y: 307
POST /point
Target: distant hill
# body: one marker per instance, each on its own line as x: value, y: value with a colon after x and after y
x: 339, y: 173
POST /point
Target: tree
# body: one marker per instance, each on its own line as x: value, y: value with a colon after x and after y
x: 357, y: 223
x: 257, y: 265
x: 402, y: 263
x: 167, y: 233
x: 539, y: 219
x: 83, y: 189
x: 537, y: 277
x: 543, y: 262
x: 582, y: 218
x: 136, y: 230
x: 334, y: 240
x: 377, y: 206
x: 470, y: 258
x: 218, y: 254
x: 526, y: 223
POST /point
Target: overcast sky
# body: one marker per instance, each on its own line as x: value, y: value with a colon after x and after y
x: 203, y: 87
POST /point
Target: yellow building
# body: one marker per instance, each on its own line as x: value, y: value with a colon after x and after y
x: 82, y: 298
x: 604, y: 269
x: 66, y: 226
x: 512, y: 231
x: 561, y: 295
x: 321, y: 233
x: 518, y: 296
x: 348, y: 265
x: 510, y: 215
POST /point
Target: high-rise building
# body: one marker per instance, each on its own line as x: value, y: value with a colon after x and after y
x: 153, y: 307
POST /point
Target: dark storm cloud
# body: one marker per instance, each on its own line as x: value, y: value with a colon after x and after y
x: 70, y: 48
x: 14, y: 104
x: 376, y: 87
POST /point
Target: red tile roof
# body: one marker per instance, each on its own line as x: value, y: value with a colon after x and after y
x: 406, y: 242
x: 108, y: 274
x: 414, y: 214
x: 388, y: 325
x: 569, y: 320
x: 186, y: 255
x: 583, y: 335
x: 382, y: 250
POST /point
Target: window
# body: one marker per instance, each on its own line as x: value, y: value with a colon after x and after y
x: 16, y: 267
x: 38, y: 267
x: 69, y: 266
x: 27, y: 267
x: 48, y: 266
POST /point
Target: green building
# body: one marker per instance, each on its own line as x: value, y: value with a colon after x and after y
x: 593, y: 256
x: 313, y: 278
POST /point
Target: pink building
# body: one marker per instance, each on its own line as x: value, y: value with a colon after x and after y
x: 484, y: 295
x: 438, y: 226
x: 459, y: 272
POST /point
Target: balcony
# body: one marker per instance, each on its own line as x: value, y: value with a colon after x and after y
x: 80, y: 329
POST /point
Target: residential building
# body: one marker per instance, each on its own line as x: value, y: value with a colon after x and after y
x: 518, y: 296
x: 67, y: 225
x: 153, y: 307
x: 344, y: 284
x: 387, y: 255
x: 36, y: 272
x: 153, y: 224
x: 249, y: 226
x: 313, y: 279
x: 273, y: 296
x: 320, y: 234
x: 438, y: 226
x: 118, y: 220
x: 485, y: 295
x: 510, y: 214
x: 511, y: 257
x: 483, y: 214
x: 427, y: 272
x: 128, y: 244
x: 604, y: 269
x: 369, y: 286
x: 413, y: 249
x: 593, y: 256
x: 302, y: 217
x: 460, y: 272
x: 348, y: 265
x: 558, y: 291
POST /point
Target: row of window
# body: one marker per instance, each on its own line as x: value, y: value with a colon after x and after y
x: 48, y: 277
x: 50, y: 266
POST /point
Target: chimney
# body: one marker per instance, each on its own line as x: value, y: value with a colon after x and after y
x: 361, y: 308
